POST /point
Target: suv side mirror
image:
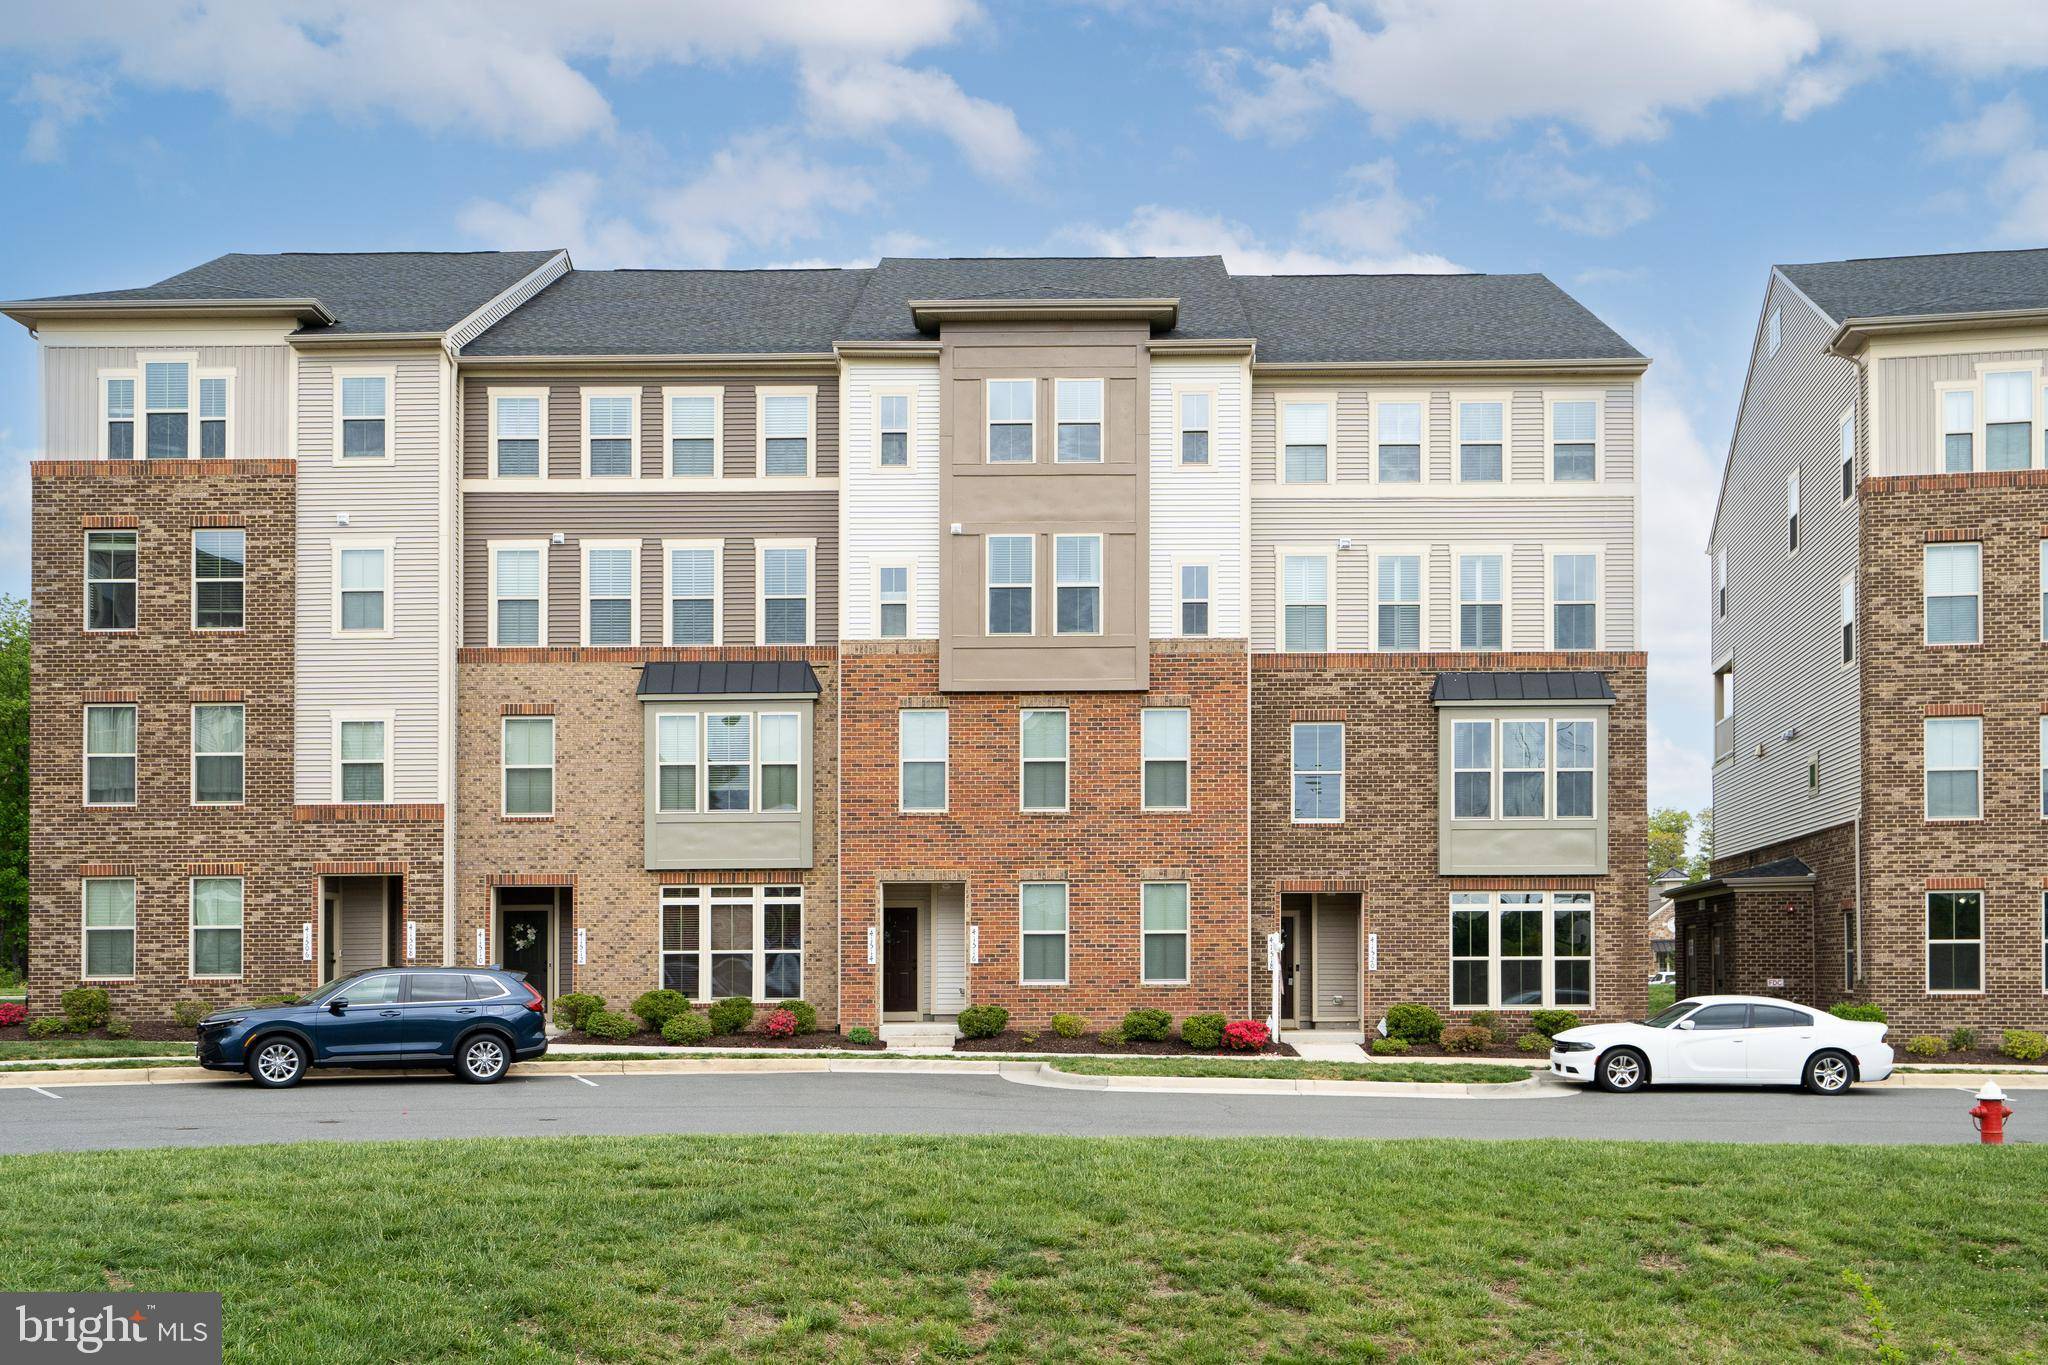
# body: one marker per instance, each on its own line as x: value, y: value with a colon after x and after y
x: 1685, y: 1024
x: 339, y: 1005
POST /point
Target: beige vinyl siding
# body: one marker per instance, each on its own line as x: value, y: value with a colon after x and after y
x: 1909, y: 419
x: 1784, y: 610
x: 1336, y: 967
x: 890, y: 516
x: 261, y: 401
x: 401, y: 500
x: 1197, y: 514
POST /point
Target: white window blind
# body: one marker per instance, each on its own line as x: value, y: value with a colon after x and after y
x: 786, y: 429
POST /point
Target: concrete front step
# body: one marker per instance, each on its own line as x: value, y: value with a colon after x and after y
x: 921, y: 1036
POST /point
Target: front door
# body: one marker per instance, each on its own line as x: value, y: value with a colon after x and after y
x: 527, y: 947
x: 1290, y: 927
x: 330, y: 934
x: 899, y: 960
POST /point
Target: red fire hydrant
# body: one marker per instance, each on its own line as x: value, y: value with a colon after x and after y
x: 1990, y: 1113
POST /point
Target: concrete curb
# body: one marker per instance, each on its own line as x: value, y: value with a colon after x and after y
x: 1535, y: 1088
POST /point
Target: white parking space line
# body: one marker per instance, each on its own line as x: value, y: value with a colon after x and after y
x: 45, y: 1093
x: 585, y: 1079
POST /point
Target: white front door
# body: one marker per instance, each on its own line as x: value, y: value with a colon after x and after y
x: 1780, y: 1040
x: 1715, y: 1048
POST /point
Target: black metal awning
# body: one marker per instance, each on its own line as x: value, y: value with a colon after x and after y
x: 728, y: 678
x: 1454, y: 688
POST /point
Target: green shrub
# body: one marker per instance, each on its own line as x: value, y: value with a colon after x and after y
x: 2024, y: 1045
x: 732, y: 1014
x: 1203, y: 1031
x: 1962, y: 1040
x: 86, y: 1007
x: 1467, y: 1039
x: 1490, y: 1021
x: 1550, y: 1023
x: 1414, y: 1024
x: 806, y: 1015
x: 49, y: 1026
x: 188, y: 1013
x: 609, y: 1024
x: 1862, y: 1014
x: 269, y: 1001
x: 691, y: 1030
x: 1147, y: 1026
x: 1070, y: 1025
x: 1927, y: 1045
x: 1389, y: 1047
x: 1113, y: 1036
x: 983, y: 1021
x: 1534, y: 1042
x: 576, y: 1006
x: 119, y: 1028
x: 656, y: 1008
x: 865, y: 1037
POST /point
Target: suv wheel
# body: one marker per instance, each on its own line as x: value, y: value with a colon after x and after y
x: 277, y: 1063
x: 483, y: 1058
x: 1829, y: 1073
x: 1621, y: 1070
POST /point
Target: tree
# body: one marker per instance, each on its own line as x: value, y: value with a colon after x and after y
x: 1703, y: 860
x: 13, y: 782
x: 1670, y: 835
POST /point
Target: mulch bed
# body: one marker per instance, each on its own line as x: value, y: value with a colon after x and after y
x: 729, y: 1042
x: 164, y: 1032
x: 1049, y: 1042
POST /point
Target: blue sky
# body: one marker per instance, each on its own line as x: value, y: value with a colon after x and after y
x: 1652, y: 158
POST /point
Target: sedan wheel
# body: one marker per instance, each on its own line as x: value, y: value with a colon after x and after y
x: 277, y: 1063
x: 483, y: 1059
x: 1828, y: 1073
x: 1623, y: 1070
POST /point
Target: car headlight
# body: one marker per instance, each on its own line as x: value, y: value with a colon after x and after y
x: 222, y: 1023
x: 1556, y: 1046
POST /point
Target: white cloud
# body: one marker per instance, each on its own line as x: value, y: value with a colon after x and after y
x: 1575, y: 200
x: 59, y: 102
x: 2005, y: 136
x: 869, y: 98
x: 757, y: 192
x: 1616, y: 69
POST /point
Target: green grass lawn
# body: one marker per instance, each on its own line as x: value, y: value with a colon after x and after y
x: 1447, y: 1073
x: 29, y: 1049
x: 828, y: 1248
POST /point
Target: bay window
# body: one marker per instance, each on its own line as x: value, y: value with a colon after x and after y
x: 729, y: 761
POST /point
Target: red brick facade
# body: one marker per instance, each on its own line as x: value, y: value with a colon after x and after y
x: 1778, y: 940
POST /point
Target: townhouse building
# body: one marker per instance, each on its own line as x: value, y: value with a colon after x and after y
x: 1066, y: 634
x: 1880, y: 640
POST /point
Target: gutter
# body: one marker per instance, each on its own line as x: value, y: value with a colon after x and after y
x: 1605, y: 365
x: 1854, y: 333
x: 30, y: 312
x: 776, y: 360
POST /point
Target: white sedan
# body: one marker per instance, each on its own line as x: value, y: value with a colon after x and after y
x: 1725, y: 1040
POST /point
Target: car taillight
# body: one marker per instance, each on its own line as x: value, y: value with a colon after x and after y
x: 534, y: 1001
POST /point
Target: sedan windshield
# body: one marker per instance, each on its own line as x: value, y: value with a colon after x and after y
x: 1671, y: 1014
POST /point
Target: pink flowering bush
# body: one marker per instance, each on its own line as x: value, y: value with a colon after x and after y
x: 12, y: 1014
x: 1246, y: 1035
x: 779, y: 1024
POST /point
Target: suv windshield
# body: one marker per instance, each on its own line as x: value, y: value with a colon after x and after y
x: 1671, y: 1014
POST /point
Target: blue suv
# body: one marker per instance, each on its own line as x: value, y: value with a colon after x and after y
x: 477, y: 1021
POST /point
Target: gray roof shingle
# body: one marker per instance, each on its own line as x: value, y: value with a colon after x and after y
x: 1209, y: 305
x: 680, y: 312
x: 727, y: 678
x: 1519, y: 686
x: 1312, y: 318
x: 374, y: 291
x: 1914, y: 286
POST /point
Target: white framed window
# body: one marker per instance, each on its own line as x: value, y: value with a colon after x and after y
x: 1574, y: 599
x: 1724, y: 710
x: 693, y: 431
x: 1163, y: 926
x: 1195, y: 581
x: 895, y: 418
x: 1077, y: 585
x: 1398, y: 602
x: 922, y: 759
x: 167, y: 407
x: 1042, y: 760
x: 1012, y: 571
x: 1012, y: 420
x: 1481, y: 438
x: 1952, y: 579
x: 216, y: 414
x: 611, y: 592
x: 2044, y: 768
x: 1954, y: 747
x: 108, y: 905
x: 676, y: 760
x: 1792, y: 510
x: 1851, y: 931
x: 2042, y: 583
x: 724, y: 941
x: 611, y: 433
x: 1524, y: 769
x: 789, y: 431
x: 1397, y: 445
x: 1307, y: 425
x: 219, y: 754
x: 781, y: 761
x: 1721, y: 582
x: 1521, y: 950
x: 1164, y: 753
x: 1848, y: 641
x: 1194, y: 424
x: 216, y: 929
x: 110, y: 579
x: 694, y: 591
x: 362, y: 427
x: 362, y: 757
x: 2009, y: 418
x: 519, y: 592
x: 1573, y: 437
x: 1042, y: 933
x: 1077, y: 420
x: 1848, y: 453
x: 1472, y: 770
x: 1318, y: 772
x: 110, y: 755
x: 1306, y: 579
x: 895, y: 611
x: 1958, y: 427
x: 1482, y: 600
x: 361, y: 568
x: 1776, y: 330
x: 528, y: 744
x: 1955, y: 942
x: 1577, y: 790
x: 117, y: 408
x: 519, y: 433
x: 220, y: 570
x: 728, y: 761
x: 784, y: 590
